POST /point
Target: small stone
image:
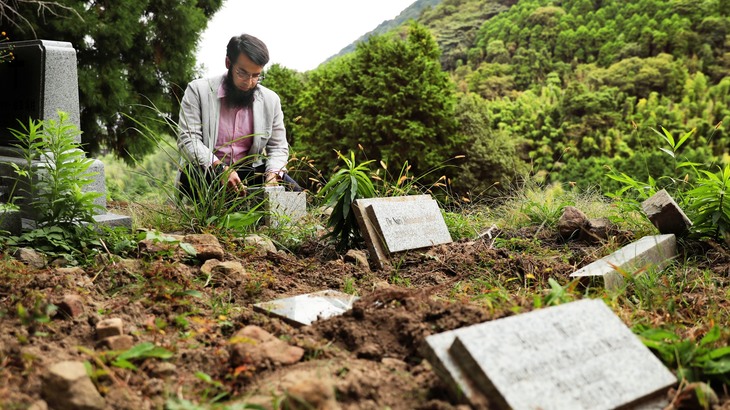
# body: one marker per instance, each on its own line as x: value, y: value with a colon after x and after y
x: 206, y: 246
x: 71, y: 306
x: 571, y: 223
x: 66, y: 386
x: 120, y: 342
x: 358, y: 257
x: 164, y: 369
x: 109, y: 327
x: 313, y: 393
x: 370, y: 351
x: 262, y: 245
x: 30, y: 257
x: 253, y: 345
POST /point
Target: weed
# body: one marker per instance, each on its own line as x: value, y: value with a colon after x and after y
x: 348, y: 184
x: 693, y: 361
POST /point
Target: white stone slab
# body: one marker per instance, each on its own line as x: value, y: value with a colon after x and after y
x: 285, y: 207
x: 655, y: 251
x: 368, y: 230
x: 407, y: 225
x: 307, y: 308
x: 574, y: 356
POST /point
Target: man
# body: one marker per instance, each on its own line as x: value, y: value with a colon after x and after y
x: 232, y: 128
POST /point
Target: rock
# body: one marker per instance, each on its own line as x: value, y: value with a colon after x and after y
x: 571, y: 223
x: 71, y: 306
x: 164, y: 369
x: 206, y: 246
x: 38, y: 405
x: 66, y: 386
x: 262, y: 245
x: 597, y: 229
x: 30, y: 257
x: 255, y: 346
x: 370, y: 351
x: 119, y: 342
x: 230, y: 271
x: 312, y: 393
x: 665, y: 214
x: 358, y: 257
x: 109, y: 327
x: 73, y: 270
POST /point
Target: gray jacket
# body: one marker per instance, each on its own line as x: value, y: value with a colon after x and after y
x: 199, y: 117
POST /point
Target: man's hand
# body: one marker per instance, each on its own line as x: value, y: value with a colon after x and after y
x: 272, y: 179
x: 231, y: 178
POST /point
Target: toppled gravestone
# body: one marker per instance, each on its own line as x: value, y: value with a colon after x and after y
x: 396, y: 224
x: 665, y: 214
x: 578, y: 355
x: 649, y: 252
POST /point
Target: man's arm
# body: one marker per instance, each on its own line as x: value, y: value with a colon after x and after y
x: 277, y: 148
x: 190, y: 137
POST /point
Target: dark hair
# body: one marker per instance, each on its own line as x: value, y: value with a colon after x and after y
x: 249, y: 45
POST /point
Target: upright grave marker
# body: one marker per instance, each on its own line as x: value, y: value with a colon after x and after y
x: 39, y: 82
x: 574, y: 356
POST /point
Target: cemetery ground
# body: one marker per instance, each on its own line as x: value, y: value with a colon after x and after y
x: 156, y: 327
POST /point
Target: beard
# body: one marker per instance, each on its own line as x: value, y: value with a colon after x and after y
x: 235, y: 97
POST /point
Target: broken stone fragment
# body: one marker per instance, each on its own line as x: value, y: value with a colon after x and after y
x: 665, y: 214
x: 120, y: 342
x: 257, y: 347
x: 571, y: 223
x: 71, y: 306
x: 358, y: 258
x: 66, y: 386
x: 206, y: 246
x: 109, y: 327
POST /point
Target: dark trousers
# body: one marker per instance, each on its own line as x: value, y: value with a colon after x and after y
x: 198, y: 177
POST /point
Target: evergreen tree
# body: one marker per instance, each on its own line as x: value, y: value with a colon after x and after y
x: 390, y: 97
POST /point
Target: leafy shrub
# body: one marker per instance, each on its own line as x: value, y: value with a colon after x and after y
x: 348, y: 184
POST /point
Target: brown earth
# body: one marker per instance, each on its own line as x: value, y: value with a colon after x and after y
x: 369, y: 358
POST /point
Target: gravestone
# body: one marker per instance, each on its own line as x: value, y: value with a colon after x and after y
x: 41, y: 81
x: 649, y: 252
x: 284, y: 207
x: 579, y: 355
x: 302, y: 310
x: 396, y: 224
x: 665, y: 214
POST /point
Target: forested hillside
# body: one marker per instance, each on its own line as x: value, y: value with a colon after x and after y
x: 560, y: 89
x: 581, y: 82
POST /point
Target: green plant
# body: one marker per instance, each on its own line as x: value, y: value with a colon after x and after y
x: 56, y: 171
x: 694, y: 361
x: 205, y: 204
x: 348, y: 184
x: 708, y: 203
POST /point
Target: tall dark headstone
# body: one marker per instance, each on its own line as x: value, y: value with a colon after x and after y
x: 39, y: 82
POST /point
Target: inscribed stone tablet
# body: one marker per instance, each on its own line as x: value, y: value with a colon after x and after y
x: 573, y: 356
x: 656, y: 250
x: 305, y: 309
x: 410, y: 224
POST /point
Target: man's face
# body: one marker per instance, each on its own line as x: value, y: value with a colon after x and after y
x: 243, y: 77
x: 245, y: 73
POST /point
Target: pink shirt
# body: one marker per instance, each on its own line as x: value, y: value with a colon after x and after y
x: 235, y: 131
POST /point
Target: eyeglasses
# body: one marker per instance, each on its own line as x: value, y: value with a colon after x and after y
x: 243, y: 75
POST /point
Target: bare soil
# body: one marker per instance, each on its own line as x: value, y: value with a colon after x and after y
x: 369, y: 358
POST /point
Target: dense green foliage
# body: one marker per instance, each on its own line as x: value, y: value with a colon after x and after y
x: 390, y: 97
x: 583, y: 82
x: 129, y: 53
